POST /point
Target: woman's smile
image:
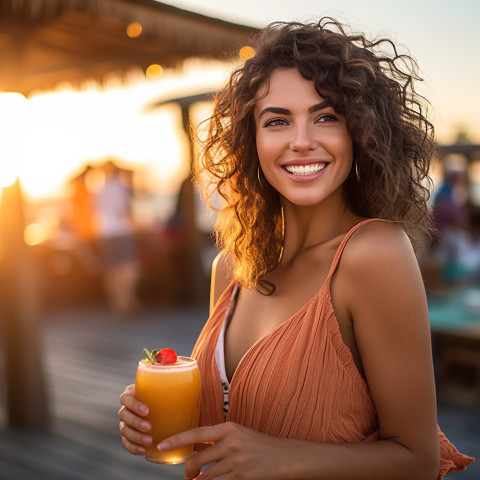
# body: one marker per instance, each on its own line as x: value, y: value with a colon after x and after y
x: 304, y: 173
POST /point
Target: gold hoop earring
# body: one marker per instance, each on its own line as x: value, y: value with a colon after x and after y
x: 280, y: 256
x: 258, y: 176
x: 357, y: 172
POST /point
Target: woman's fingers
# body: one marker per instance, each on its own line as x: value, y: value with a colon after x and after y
x: 128, y: 400
x: 210, y: 455
x: 132, y: 412
x: 133, y: 420
x: 235, y: 450
x: 131, y: 447
x: 130, y: 390
x: 134, y: 436
x: 133, y: 427
x: 210, y: 434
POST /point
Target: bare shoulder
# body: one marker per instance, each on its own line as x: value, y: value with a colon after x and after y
x: 378, y: 239
x: 222, y: 275
x: 379, y: 260
x: 378, y: 246
x: 222, y: 266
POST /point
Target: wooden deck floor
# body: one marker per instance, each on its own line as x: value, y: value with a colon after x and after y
x: 89, y: 358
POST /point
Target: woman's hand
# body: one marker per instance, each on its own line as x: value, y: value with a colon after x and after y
x: 237, y: 452
x: 133, y: 426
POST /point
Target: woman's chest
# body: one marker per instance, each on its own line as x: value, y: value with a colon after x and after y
x: 291, y: 381
x: 256, y: 315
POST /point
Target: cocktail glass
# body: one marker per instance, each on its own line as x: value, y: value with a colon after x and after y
x: 172, y: 394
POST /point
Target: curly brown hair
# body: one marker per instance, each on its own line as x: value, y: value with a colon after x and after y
x: 372, y: 85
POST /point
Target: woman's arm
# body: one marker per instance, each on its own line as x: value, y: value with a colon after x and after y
x: 221, y: 277
x: 378, y: 284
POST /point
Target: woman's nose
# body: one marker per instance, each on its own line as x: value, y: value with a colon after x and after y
x: 303, y: 138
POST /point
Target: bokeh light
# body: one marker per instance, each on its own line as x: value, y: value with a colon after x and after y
x: 34, y: 234
x: 246, y: 52
x: 154, y: 71
x: 134, y: 30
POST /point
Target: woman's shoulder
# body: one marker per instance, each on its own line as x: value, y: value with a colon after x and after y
x: 379, y: 267
x: 223, y: 265
x: 377, y: 244
x: 376, y: 235
x: 222, y: 276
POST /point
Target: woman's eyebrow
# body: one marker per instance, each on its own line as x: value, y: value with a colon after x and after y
x: 319, y: 106
x: 286, y: 111
x: 279, y: 110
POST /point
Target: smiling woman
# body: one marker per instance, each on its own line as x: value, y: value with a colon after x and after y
x: 316, y: 359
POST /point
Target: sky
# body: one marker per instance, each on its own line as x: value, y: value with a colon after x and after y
x: 442, y: 35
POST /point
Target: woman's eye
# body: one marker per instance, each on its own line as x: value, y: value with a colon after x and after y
x: 326, y: 118
x: 273, y: 122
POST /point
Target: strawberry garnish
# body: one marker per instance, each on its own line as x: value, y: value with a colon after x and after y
x: 165, y: 356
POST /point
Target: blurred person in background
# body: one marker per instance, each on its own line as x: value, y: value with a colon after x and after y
x: 450, y: 204
x: 316, y: 360
x: 457, y: 254
x: 82, y: 219
x: 116, y: 237
x: 453, y: 242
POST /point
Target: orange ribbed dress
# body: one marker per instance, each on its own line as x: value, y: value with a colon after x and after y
x: 299, y: 381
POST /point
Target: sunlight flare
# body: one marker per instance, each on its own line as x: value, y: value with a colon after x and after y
x: 12, y: 110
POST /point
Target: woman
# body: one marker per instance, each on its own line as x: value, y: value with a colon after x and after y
x: 318, y: 339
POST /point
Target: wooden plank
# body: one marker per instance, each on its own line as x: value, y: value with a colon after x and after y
x: 90, y: 357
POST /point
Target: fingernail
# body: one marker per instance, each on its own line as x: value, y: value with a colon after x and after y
x: 141, y: 451
x: 143, y: 409
x: 163, y: 446
x: 145, y: 426
x: 147, y: 440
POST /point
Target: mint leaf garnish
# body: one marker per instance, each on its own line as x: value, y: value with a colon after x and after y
x: 150, y: 356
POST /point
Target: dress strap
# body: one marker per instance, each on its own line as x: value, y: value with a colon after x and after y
x: 346, y: 238
x: 220, y: 345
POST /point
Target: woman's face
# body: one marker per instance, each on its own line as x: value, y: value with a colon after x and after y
x: 304, y: 147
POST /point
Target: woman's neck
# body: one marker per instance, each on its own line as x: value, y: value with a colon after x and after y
x: 307, y: 227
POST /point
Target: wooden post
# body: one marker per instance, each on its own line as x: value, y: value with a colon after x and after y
x: 26, y: 392
x: 198, y: 282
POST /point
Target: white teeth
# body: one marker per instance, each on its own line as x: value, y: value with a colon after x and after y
x: 305, y: 169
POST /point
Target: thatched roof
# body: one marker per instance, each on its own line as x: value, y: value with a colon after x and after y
x: 46, y: 42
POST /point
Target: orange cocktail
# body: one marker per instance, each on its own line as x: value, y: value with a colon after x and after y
x: 172, y: 394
